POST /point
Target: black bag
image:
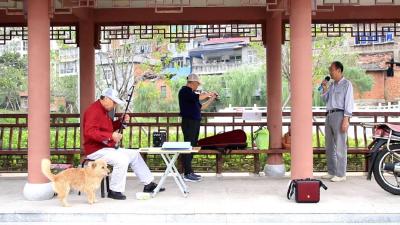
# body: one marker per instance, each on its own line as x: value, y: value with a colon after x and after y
x: 159, y: 137
x: 305, y: 190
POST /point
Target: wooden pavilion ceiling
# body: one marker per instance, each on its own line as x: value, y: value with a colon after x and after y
x: 201, y: 11
x: 114, y: 17
x: 270, y: 4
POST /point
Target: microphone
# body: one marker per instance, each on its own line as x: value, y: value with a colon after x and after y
x: 327, y: 79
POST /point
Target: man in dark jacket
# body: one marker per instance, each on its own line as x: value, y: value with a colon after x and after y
x: 190, y: 111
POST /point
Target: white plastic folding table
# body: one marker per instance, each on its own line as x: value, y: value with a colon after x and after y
x: 170, y: 156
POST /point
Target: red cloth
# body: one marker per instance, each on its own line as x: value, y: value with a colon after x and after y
x: 98, y: 128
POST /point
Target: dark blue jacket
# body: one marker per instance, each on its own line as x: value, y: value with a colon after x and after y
x: 189, y: 104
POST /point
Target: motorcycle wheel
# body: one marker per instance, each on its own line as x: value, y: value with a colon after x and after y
x: 388, y: 180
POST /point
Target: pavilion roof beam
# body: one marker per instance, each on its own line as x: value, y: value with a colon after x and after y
x: 342, y: 14
x: 348, y: 14
x: 188, y: 16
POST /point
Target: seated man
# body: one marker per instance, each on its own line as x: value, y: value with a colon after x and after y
x: 286, y: 143
x: 100, y: 137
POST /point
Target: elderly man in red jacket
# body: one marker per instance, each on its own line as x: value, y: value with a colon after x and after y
x: 100, y: 136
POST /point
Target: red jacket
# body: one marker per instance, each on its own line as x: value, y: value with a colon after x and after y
x: 98, y: 128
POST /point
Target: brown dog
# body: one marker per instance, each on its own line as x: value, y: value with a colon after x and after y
x: 85, y: 180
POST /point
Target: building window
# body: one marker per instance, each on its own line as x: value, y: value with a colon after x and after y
x: 360, y: 40
x: 67, y: 68
x: 163, y: 92
x: 178, y: 62
x: 108, y: 74
x: 235, y: 59
x: 252, y: 58
x: 143, y: 48
x: 68, y: 53
x: 25, y: 45
x: 373, y: 39
x: 214, y: 60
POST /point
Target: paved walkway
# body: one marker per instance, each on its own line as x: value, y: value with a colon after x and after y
x: 216, y: 200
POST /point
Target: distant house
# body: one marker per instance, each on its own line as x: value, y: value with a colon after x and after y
x: 68, y: 62
x: 373, y: 53
x: 159, y: 82
x: 23, y: 100
x: 57, y: 104
x: 16, y: 45
x: 218, y: 55
x: 179, y: 64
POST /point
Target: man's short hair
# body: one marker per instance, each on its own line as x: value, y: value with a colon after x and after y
x: 338, y: 65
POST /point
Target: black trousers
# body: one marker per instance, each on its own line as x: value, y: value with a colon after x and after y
x: 190, y: 129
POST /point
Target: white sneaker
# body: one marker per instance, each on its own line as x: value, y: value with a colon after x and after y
x: 338, y: 179
x: 327, y: 176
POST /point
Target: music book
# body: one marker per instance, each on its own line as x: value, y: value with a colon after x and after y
x: 176, y: 146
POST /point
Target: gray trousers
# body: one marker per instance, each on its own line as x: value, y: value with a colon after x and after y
x: 335, y: 144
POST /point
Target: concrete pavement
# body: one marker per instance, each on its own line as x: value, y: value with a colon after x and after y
x: 248, y: 199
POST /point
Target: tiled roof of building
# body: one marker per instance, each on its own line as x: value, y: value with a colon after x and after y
x: 375, y: 61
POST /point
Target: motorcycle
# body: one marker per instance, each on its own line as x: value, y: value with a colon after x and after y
x: 384, y: 156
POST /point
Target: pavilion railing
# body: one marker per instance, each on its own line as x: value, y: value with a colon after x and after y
x: 65, y: 132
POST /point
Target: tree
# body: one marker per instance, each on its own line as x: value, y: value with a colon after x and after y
x: 13, y: 76
x: 361, y: 82
x: 243, y: 86
x: 325, y: 51
x: 115, y: 67
x: 146, y: 97
x: 118, y: 62
x: 65, y: 86
x: 245, y: 83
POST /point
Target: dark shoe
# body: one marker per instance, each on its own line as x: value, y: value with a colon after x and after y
x: 191, y: 178
x: 149, y: 188
x: 196, y: 175
x: 116, y: 195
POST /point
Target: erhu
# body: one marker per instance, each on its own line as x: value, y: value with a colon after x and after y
x: 123, y: 125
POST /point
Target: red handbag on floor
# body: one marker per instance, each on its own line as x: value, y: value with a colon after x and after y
x: 305, y: 190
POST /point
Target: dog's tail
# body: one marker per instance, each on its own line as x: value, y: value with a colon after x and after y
x: 46, y: 169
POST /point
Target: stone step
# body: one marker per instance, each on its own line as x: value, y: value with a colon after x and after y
x: 203, y: 218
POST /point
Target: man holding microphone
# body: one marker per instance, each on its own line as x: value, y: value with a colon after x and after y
x: 338, y: 97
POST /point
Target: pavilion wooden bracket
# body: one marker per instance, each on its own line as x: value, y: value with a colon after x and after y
x: 277, y: 5
x: 168, y: 9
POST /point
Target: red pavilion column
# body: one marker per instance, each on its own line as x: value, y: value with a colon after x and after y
x: 274, y: 166
x: 38, y: 186
x: 87, y: 62
x: 301, y: 87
